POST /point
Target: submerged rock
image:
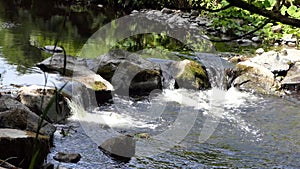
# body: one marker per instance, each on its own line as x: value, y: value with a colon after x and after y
x: 121, y: 148
x: 19, y: 147
x: 67, y: 157
x: 34, y: 96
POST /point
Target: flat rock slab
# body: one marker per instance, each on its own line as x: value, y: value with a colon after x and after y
x: 20, y: 144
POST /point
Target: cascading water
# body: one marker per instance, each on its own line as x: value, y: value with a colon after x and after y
x: 215, y: 67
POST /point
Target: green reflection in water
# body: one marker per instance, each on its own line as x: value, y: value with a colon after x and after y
x: 35, y: 24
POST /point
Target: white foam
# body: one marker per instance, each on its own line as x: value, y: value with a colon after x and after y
x: 216, y: 103
x: 112, y: 119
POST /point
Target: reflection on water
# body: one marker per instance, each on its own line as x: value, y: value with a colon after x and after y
x: 27, y: 25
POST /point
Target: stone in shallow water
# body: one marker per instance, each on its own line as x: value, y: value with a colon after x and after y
x: 20, y: 145
x: 67, y: 157
x: 121, y: 148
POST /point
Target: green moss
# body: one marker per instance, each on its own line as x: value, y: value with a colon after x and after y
x: 194, y: 72
x: 142, y: 135
x: 99, y: 86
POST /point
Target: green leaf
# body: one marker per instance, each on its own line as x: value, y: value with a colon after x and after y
x: 283, y: 10
x: 292, y: 10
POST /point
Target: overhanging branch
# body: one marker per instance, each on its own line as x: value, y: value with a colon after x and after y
x: 269, y: 14
x: 207, y: 9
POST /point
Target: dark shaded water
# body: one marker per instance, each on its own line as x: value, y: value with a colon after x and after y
x: 217, y: 128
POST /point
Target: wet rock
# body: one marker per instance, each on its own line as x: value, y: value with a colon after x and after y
x: 190, y: 75
x: 33, y: 97
x: 253, y: 77
x: 20, y: 117
x: 121, y: 148
x: 128, y: 72
x: 187, y: 74
x: 292, y: 80
x: 79, y: 69
x: 56, y: 64
x: 19, y: 146
x: 67, y: 157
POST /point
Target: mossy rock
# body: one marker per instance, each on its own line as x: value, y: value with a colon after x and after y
x: 97, y: 86
x: 191, y: 75
x: 142, y: 135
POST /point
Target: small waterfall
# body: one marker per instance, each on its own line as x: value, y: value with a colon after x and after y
x: 216, y: 69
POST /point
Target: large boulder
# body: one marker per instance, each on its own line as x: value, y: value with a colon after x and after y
x: 292, y: 80
x: 14, y: 114
x: 129, y: 73
x: 56, y: 64
x: 187, y: 74
x: 190, y: 74
x: 254, y: 77
x: 37, y: 98
x: 77, y: 69
x: 18, y: 147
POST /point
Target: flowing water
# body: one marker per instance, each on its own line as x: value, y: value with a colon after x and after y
x: 215, y: 128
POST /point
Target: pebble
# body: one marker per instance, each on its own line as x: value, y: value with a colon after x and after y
x: 260, y: 51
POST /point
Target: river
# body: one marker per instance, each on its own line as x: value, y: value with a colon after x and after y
x: 215, y: 128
